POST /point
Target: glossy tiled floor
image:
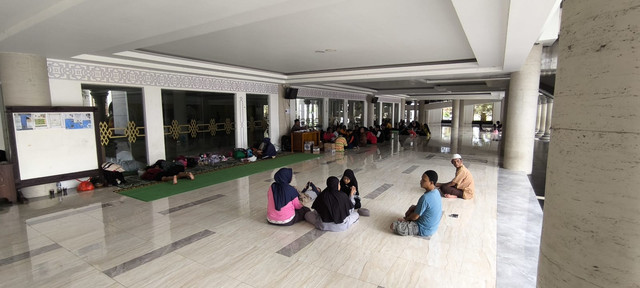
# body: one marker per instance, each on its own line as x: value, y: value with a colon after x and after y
x: 218, y: 236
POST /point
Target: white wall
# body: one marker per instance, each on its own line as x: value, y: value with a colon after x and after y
x: 65, y: 92
x: 435, y: 116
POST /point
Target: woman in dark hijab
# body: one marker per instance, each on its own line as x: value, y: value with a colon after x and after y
x: 349, y: 180
x: 333, y: 209
x: 283, y: 206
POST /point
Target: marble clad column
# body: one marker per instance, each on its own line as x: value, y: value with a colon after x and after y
x: 455, y: 116
x: 25, y: 80
x: 403, y: 108
x: 543, y: 117
x: 547, y: 126
x: 461, y: 113
x: 539, y: 115
x: 591, y: 225
x: 240, y: 119
x: 521, y: 118
x: 345, y: 112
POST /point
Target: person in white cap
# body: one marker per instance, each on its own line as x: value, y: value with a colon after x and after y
x: 462, y: 185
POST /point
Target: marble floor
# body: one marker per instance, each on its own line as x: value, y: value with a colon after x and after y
x: 217, y: 236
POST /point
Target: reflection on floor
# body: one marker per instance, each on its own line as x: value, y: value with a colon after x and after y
x: 217, y: 236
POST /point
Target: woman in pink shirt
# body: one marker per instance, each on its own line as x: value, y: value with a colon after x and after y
x: 283, y: 206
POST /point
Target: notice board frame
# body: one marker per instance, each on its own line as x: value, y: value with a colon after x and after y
x: 62, y: 160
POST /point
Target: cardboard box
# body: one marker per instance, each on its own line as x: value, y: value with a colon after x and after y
x: 329, y: 146
x: 316, y: 150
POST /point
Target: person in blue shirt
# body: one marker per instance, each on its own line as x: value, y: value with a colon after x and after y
x: 422, y: 219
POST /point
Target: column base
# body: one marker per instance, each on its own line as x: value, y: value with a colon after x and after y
x: 545, y: 137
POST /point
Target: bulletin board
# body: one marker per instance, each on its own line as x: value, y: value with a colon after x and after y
x: 50, y: 144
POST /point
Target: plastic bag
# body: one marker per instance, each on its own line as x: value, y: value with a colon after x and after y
x: 85, y: 185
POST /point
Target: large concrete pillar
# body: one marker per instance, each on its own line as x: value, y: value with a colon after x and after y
x: 547, y: 124
x: 25, y: 80
x: 154, y: 126
x: 345, y: 112
x: 325, y: 114
x: 523, y: 98
x: 240, y: 119
x: 455, y: 116
x: 402, y: 110
x: 461, y: 113
x: 591, y: 226
x: 274, y: 119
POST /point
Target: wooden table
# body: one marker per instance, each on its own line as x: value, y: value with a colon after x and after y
x: 298, y: 139
x: 7, y: 184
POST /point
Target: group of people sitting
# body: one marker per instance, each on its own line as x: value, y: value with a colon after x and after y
x: 338, y: 207
x: 358, y: 137
x: 335, y: 208
x: 414, y: 129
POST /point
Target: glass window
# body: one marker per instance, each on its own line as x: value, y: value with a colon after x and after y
x: 120, y: 112
x: 386, y: 111
x: 483, y: 112
x: 336, y: 112
x: 355, y: 113
x: 198, y: 122
x: 257, y: 118
x: 309, y: 111
x: 446, y: 113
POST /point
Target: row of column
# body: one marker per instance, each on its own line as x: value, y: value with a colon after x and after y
x: 543, y: 120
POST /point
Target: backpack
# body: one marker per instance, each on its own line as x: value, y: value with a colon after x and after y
x: 239, y: 153
x: 285, y: 143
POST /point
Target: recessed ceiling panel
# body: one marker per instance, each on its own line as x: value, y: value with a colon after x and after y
x: 349, y: 34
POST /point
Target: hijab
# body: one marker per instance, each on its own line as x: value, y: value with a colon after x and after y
x: 347, y: 187
x: 269, y: 150
x: 283, y: 193
x: 332, y: 205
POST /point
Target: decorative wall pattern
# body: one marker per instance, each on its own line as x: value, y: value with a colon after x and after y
x: 128, y: 76
x: 131, y: 132
x: 193, y: 128
x: 319, y: 93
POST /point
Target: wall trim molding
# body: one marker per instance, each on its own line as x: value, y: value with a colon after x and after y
x: 330, y: 94
x: 76, y: 71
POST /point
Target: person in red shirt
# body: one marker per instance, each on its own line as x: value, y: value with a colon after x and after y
x: 329, y: 136
x: 371, y: 139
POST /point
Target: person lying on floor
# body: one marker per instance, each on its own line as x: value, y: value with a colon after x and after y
x: 333, y: 208
x: 283, y: 206
x: 167, y: 171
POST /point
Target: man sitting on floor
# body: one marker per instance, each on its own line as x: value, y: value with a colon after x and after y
x: 422, y: 219
x: 462, y: 185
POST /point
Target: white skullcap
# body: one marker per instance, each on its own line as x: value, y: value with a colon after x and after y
x: 456, y: 156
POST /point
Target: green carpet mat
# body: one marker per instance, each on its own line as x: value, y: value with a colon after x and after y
x: 166, y: 189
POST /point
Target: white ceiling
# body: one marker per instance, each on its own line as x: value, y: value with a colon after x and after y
x: 367, y: 45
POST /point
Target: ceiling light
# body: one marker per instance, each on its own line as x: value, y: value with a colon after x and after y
x: 326, y: 51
